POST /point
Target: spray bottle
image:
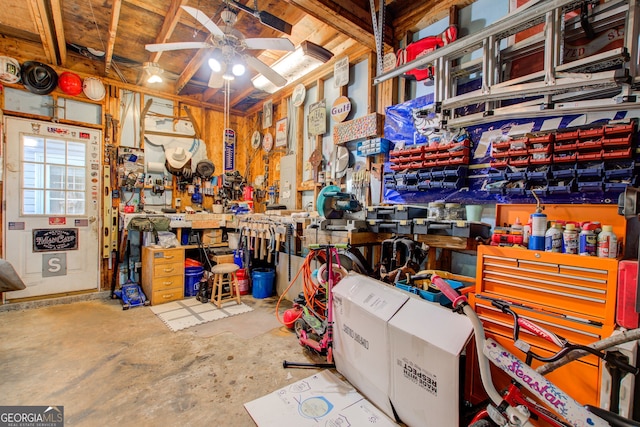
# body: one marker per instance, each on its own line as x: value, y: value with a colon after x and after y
x: 538, y: 226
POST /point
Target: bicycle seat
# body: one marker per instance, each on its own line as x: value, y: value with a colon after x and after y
x: 613, y: 419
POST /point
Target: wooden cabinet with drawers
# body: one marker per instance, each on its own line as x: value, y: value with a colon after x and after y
x: 163, y: 274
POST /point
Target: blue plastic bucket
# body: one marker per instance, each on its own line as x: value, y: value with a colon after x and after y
x: 192, y: 277
x: 263, y: 280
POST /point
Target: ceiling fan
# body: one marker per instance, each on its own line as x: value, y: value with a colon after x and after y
x: 228, y: 46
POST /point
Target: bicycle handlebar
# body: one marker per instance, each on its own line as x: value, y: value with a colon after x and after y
x: 565, y: 346
x: 448, y: 291
x: 607, y: 357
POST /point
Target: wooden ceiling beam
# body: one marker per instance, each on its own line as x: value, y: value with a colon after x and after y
x: 415, y: 15
x: 191, y: 69
x: 56, y: 13
x: 346, y: 17
x: 40, y: 16
x: 113, y: 32
x: 171, y: 19
x: 210, y: 92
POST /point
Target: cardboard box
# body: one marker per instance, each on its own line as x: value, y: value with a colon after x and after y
x: 319, y: 400
x: 222, y: 259
x: 362, y: 351
x: 426, y: 340
x: 211, y: 236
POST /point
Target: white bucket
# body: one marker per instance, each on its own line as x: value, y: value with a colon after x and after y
x: 234, y: 240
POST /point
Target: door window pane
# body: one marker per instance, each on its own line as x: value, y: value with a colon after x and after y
x: 33, y: 149
x: 33, y: 176
x: 75, y: 203
x: 56, y: 152
x: 75, y: 154
x: 75, y: 179
x: 55, y: 202
x: 53, y: 176
x: 33, y: 202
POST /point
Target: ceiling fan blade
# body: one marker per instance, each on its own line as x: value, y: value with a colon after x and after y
x: 161, y: 47
x: 269, y: 44
x: 266, y: 18
x: 215, y: 81
x: 265, y: 70
x: 204, y: 20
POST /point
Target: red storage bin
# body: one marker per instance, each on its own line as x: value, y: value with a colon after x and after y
x: 626, y: 315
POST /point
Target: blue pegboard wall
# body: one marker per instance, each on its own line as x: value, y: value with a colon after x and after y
x: 593, y: 160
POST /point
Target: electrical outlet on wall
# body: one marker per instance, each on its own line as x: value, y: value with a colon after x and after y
x: 178, y: 202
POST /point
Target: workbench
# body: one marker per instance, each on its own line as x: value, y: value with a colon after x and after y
x: 179, y: 221
x: 372, y: 241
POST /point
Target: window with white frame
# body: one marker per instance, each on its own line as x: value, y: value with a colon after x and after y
x: 53, y: 176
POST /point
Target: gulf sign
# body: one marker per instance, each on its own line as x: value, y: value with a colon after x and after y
x: 340, y: 109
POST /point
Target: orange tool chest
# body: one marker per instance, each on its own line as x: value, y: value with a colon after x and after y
x: 574, y: 296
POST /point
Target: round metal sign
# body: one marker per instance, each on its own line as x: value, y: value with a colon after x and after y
x: 267, y: 142
x: 256, y: 139
x: 340, y: 109
x: 299, y: 93
x: 389, y: 62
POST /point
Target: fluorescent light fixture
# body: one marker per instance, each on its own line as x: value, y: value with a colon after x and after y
x: 294, y: 65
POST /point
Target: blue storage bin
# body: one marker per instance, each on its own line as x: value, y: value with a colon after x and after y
x: 192, y: 277
x: 263, y: 282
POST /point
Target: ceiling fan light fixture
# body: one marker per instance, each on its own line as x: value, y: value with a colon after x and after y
x: 215, y: 65
x: 238, y: 69
x: 228, y: 76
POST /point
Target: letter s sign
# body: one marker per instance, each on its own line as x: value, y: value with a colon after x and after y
x: 54, y: 265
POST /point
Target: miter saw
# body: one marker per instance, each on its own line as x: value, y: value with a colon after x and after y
x: 339, y: 211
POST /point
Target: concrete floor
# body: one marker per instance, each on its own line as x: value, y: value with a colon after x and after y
x: 111, y: 367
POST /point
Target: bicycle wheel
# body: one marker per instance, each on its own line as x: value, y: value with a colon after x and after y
x: 603, y: 344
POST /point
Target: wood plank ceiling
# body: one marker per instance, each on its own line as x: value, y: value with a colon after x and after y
x: 108, y: 38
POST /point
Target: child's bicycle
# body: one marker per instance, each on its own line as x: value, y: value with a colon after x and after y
x: 514, y: 408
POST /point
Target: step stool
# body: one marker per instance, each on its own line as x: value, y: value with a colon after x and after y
x: 224, y: 274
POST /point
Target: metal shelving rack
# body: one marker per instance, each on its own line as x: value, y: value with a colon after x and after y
x: 585, y: 84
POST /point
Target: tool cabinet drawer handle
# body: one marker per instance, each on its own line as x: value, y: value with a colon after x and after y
x: 169, y: 256
x: 169, y: 269
x: 167, y: 296
x: 170, y: 282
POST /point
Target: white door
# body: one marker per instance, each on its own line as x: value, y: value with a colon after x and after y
x: 52, y: 177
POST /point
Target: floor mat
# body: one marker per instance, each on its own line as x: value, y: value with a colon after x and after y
x: 178, y: 315
x: 248, y: 326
